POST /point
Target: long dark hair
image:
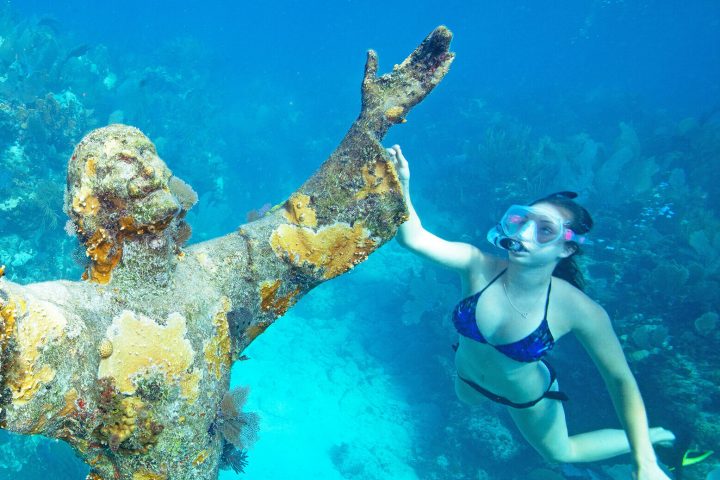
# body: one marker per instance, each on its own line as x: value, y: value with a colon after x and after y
x: 580, y: 222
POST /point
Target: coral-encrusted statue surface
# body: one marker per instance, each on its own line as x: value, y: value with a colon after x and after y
x: 130, y: 365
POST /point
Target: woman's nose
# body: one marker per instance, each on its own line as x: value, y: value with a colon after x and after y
x: 527, y: 232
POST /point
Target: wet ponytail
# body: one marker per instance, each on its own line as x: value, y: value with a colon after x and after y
x: 568, y: 270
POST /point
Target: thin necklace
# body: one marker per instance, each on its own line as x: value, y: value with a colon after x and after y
x: 524, y: 315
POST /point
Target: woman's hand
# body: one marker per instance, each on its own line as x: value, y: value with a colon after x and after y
x: 400, y: 163
x: 649, y: 471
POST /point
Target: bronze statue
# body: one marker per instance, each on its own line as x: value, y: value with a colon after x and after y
x: 132, y: 365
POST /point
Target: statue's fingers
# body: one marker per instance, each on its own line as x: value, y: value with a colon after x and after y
x: 371, y: 65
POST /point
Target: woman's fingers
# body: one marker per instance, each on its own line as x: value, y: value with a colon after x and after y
x: 401, y: 160
x: 395, y: 155
x: 398, y: 159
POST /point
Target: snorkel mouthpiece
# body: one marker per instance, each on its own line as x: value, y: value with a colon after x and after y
x: 511, y: 245
x: 498, y: 238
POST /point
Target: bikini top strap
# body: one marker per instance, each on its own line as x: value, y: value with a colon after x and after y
x: 547, y: 300
x: 491, y: 282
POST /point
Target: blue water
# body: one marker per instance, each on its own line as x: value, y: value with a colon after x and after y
x: 617, y: 100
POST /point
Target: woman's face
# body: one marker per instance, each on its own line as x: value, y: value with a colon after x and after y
x: 535, y: 252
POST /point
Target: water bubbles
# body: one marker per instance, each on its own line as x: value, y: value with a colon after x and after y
x: 649, y: 214
x: 666, y: 211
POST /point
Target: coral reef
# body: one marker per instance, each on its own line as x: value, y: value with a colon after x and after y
x: 164, y: 322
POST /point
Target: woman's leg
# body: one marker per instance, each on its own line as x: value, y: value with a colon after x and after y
x: 544, y: 427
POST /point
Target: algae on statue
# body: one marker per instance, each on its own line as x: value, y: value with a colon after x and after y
x: 131, y: 366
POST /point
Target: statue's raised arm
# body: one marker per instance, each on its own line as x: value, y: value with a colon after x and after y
x: 350, y: 207
x: 132, y: 366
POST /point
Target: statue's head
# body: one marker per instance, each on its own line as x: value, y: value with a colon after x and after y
x: 119, y: 190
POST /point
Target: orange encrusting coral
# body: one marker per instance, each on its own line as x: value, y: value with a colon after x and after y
x: 70, y: 398
x: 68, y: 408
x: 218, y: 349
x: 253, y: 331
x: 380, y: 178
x: 148, y: 475
x: 202, y: 456
x: 84, y: 202
x: 395, y: 114
x: 335, y: 249
x: 105, y: 255
x: 105, y: 252
x: 91, y: 167
x: 270, y: 302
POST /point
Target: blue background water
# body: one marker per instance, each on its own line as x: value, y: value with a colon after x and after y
x: 246, y: 100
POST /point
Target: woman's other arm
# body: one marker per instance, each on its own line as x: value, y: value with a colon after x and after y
x: 594, y: 330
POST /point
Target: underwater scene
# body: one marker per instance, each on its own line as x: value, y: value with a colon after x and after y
x: 218, y: 293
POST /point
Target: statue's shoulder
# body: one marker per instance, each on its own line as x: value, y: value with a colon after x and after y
x: 57, y: 295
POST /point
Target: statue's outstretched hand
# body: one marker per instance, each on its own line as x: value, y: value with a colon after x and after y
x: 400, y: 162
x: 387, y: 99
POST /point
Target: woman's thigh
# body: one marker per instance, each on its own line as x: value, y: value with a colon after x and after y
x: 544, y: 427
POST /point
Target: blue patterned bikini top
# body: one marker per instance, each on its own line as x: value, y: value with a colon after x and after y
x: 530, y: 349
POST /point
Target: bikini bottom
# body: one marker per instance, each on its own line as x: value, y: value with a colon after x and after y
x: 549, y: 394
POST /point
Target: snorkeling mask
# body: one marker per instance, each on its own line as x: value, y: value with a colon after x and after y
x: 523, y: 223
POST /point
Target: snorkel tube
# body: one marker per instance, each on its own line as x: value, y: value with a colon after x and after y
x: 497, y: 237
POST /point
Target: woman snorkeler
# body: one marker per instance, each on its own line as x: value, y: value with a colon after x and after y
x: 514, y: 311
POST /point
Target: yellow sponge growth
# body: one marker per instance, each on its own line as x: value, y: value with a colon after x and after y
x: 7, y: 326
x: 142, y: 346
x: 38, y: 324
x: 299, y: 212
x: 335, y: 249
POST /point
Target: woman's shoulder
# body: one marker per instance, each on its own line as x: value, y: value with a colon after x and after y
x: 485, y: 267
x: 574, y: 302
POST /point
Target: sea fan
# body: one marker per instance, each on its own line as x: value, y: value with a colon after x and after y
x: 183, y: 192
x: 237, y: 427
x: 233, y: 458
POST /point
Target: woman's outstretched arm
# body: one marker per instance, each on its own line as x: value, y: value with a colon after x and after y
x: 413, y: 236
x: 594, y: 330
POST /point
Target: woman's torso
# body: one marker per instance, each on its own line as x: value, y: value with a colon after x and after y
x: 498, y: 324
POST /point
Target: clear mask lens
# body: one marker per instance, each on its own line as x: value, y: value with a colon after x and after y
x: 532, y: 225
